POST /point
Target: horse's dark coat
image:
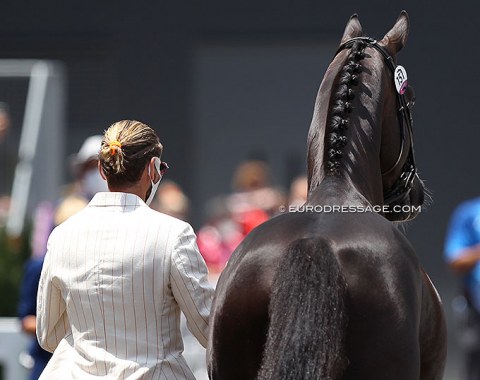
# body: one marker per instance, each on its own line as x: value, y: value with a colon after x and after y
x: 362, y: 306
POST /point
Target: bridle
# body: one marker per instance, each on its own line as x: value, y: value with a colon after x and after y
x: 400, y: 190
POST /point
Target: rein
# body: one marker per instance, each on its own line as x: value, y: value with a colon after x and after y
x: 400, y: 190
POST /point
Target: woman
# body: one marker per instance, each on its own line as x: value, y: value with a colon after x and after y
x: 117, y: 274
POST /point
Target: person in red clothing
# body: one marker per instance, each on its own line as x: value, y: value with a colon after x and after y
x: 231, y: 218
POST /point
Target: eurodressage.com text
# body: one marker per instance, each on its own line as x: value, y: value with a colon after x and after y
x: 383, y: 209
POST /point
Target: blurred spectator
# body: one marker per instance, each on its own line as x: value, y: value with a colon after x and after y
x: 253, y: 191
x: 37, y: 357
x: 220, y: 235
x: 230, y: 218
x: 4, y: 209
x: 76, y: 195
x: 8, y: 160
x: 462, y: 253
x: 47, y: 215
x: 43, y: 223
x: 171, y: 200
x: 4, y: 120
x: 254, y: 200
x: 84, y: 166
x: 298, y: 191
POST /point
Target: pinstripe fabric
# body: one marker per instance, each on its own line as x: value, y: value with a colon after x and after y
x: 114, y: 280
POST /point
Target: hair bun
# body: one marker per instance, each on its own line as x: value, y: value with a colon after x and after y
x: 114, y: 145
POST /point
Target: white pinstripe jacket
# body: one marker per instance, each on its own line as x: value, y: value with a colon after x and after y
x: 114, y: 279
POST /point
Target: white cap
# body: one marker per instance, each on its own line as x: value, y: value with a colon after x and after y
x: 89, y: 150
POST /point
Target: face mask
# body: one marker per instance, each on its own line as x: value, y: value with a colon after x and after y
x: 154, y: 185
x: 93, y: 183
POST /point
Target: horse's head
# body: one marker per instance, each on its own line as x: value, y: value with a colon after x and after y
x: 369, y: 133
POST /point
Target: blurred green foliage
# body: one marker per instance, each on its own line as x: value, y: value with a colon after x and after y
x: 13, y: 255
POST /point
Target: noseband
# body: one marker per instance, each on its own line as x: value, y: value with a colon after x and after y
x: 400, y: 190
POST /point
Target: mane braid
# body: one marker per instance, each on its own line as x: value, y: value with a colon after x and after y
x: 336, y: 139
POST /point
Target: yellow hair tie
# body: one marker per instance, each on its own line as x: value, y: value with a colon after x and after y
x: 113, y: 147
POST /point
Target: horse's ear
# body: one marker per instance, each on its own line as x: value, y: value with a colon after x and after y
x: 352, y: 30
x: 396, y: 38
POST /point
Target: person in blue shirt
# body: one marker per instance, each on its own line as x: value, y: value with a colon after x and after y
x: 27, y: 309
x: 462, y: 253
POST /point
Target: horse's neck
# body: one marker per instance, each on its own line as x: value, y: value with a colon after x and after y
x: 358, y: 164
x: 362, y: 159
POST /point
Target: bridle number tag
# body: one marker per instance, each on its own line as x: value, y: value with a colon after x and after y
x: 400, y: 78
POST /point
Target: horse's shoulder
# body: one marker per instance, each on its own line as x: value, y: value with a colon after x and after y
x: 376, y: 248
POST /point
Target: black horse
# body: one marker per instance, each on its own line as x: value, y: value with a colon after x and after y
x: 335, y: 290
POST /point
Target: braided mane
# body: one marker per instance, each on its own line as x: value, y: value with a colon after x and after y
x: 336, y: 138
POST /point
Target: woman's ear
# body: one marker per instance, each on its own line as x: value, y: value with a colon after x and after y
x: 154, y: 169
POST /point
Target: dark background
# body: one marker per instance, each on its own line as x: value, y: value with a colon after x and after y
x: 224, y: 80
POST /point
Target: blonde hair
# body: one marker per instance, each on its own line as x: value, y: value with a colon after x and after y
x: 126, y: 148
